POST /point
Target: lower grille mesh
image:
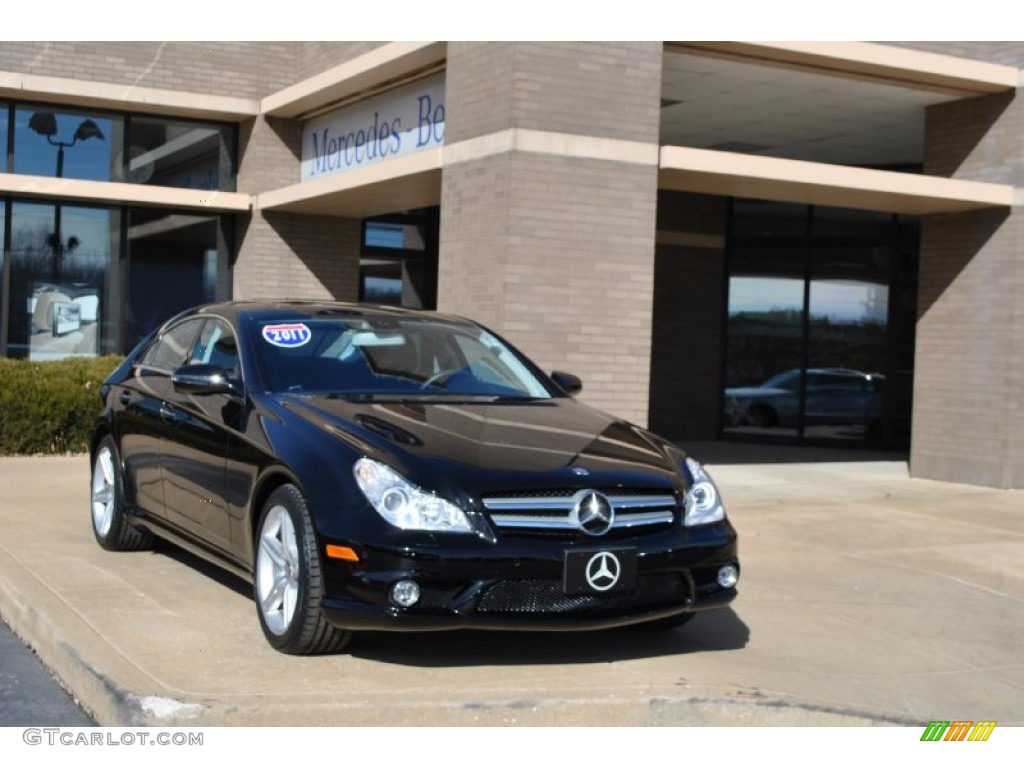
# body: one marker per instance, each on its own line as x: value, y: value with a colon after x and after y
x: 538, y: 596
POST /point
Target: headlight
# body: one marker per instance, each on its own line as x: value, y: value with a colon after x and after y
x: 403, y: 504
x: 703, y: 503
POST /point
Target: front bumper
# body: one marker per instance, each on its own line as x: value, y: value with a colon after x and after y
x: 521, y: 585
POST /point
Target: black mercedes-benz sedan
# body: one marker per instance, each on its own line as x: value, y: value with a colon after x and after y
x: 379, y: 468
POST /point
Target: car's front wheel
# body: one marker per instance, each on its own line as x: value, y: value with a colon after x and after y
x: 288, y: 584
x: 110, y: 525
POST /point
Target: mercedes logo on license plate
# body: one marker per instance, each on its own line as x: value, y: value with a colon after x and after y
x: 603, y: 571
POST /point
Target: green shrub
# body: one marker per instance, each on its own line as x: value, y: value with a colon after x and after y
x: 50, y: 407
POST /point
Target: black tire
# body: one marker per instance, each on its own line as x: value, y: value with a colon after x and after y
x: 668, y: 623
x: 287, y: 580
x: 110, y: 524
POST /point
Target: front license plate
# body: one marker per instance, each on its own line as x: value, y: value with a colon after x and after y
x: 600, y: 572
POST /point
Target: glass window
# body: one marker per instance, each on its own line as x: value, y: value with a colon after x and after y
x: 762, y: 378
x: 64, y: 144
x: 4, y: 117
x: 811, y: 345
x: 186, y: 154
x: 384, y: 234
x: 380, y: 281
x: 59, y: 272
x: 217, y: 346
x: 3, y: 278
x: 408, y: 357
x: 765, y: 218
x: 848, y: 311
x: 399, y: 259
x: 170, y: 350
x: 175, y: 261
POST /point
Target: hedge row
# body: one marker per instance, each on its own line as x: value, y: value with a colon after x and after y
x: 50, y: 407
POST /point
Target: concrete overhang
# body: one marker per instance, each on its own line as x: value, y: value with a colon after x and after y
x: 732, y: 174
x: 119, y: 193
x: 876, y: 62
x: 94, y: 95
x: 399, y: 184
x: 390, y: 63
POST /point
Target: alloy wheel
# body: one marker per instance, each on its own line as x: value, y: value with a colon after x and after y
x: 104, y: 496
x: 278, y: 570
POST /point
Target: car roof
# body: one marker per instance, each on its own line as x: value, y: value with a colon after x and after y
x: 284, y: 309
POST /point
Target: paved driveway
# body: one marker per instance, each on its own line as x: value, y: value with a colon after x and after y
x: 866, y: 597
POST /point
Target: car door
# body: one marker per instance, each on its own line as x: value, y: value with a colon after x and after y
x: 193, y: 449
x: 837, y: 399
x: 143, y: 416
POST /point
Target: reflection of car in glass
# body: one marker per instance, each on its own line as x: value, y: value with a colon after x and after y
x: 376, y: 468
x: 835, y: 396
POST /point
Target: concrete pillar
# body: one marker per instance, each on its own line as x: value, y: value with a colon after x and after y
x: 968, y: 422
x: 286, y: 255
x: 548, y: 205
x: 689, y: 274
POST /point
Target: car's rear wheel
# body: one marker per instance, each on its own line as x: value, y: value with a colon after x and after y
x: 110, y: 525
x: 288, y: 583
x: 763, y: 416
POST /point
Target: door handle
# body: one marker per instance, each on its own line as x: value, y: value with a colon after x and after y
x: 169, y: 414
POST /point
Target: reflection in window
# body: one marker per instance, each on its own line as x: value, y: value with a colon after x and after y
x: 380, y: 282
x: 383, y: 234
x: 179, y: 154
x: 811, y: 346
x: 3, y: 273
x: 848, y: 316
x: 399, y: 259
x: 60, y: 258
x: 4, y: 110
x: 763, y: 355
x: 92, y: 146
x: 69, y: 145
x: 173, y: 264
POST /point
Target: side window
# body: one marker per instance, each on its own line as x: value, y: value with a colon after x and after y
x: 170, y: 350
x: 217, y: 346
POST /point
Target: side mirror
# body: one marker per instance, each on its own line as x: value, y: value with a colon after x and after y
x: 204, y: 379
x: 569, y: 383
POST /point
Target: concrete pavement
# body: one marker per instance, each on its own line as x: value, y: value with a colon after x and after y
x: 866, y: 598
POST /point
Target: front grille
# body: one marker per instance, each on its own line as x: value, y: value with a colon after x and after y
x: 553, y: 511
x: 532, y: 596
x: 540, y: 596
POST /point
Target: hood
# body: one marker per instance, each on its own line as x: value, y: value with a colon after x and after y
x: 497, y: 447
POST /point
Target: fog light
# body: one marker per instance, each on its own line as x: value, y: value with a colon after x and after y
x: 728, y: 576
x: 405, y: 593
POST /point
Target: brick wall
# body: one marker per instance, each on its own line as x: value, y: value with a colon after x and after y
x: 610, y: 90
x: 686, y: 356
x: 245, y: 69
x: 556, y: 252
x: 296, y: 256
x: 313, y: 57
x: 968, y: 421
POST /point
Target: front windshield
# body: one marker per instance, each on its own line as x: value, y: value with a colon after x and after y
x: 385, y: 356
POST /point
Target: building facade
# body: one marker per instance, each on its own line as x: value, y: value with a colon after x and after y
x: 798, y: 242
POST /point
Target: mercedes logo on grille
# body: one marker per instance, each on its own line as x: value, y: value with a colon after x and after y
x: 603, y: 571
x: 593, y: 512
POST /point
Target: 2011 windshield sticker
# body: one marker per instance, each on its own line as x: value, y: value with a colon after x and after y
x: 287, y: 334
